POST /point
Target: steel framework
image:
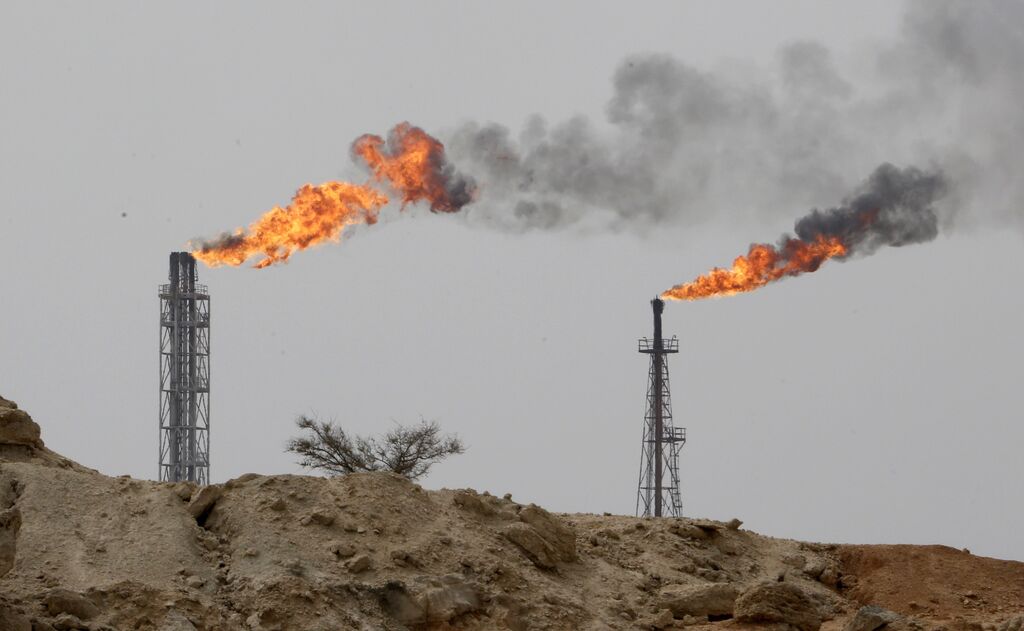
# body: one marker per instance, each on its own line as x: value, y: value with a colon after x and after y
x: 184, y: 374
x: 662, y: 441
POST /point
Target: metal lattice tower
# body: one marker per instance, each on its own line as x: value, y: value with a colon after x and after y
x: 662, y: 441
x: 184, y: 374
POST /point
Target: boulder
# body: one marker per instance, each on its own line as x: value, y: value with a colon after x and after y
x: 796, y: 561
x: 783, y: 603
x: 714, y: 599
x: 1013, y: 624
x: 828, y: 603
x: 359, y: 564
x: 557, y: 533
x: 829, y: 576
x: 67, y: 622
x: 17, y: 427
x: 431, y: 600
x: 184, y: 490
x: 663, y: 619
x: 815, y: 568
x: 320, y: 517
x: 710, y: 527
x: 688, y: 531
x: 870, y: 618
x: 539, y: 551
x: 340, y: 549
x: 542, y: 537
x: 64, y: 601
x: 470, y: 501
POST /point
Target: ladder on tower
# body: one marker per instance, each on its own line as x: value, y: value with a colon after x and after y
x: 676, y: 436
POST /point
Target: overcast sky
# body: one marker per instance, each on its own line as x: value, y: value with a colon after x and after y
x: 875, y: 401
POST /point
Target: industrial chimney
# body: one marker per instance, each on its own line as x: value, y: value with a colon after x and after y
x: 659, y: 454
x: 184, y: 374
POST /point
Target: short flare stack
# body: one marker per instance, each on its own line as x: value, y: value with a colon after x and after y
x: 658, y: 488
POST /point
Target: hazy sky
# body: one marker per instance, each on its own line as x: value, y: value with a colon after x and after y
x: 877, y: 400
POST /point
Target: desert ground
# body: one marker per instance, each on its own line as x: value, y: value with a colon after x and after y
x: 82, y: 550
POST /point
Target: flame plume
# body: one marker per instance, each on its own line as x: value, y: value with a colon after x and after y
x: 411, y: 161
x: 761, y: 265
x: 316, y: 214
x: 414, y: 163
x: 893, y: 207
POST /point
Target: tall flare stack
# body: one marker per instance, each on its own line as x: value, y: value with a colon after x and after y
x: 662, y: 441
x: 184, y: 374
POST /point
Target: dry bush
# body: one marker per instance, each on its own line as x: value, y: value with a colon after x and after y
x: 408, y: 450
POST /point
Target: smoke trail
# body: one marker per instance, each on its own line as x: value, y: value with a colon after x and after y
x: 680, y: 144
x: 894, y: 207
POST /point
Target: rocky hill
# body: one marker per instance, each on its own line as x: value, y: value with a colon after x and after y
x: 80, y: 550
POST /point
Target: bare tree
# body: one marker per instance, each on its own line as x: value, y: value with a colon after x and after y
x: 407, y: 450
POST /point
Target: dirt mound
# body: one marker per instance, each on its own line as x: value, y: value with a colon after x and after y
x: 374, y: 551
x: 936, y: 582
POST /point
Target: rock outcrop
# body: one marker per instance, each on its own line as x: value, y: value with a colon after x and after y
x: 202, y: 502
x: 871, y: 618
x: 60, y: 601
x: 553, y: 530
x: 17, y: 428
x: 715, y: 599
x: 431, y: 600
x: 783, y: 603
x: 542, y: 537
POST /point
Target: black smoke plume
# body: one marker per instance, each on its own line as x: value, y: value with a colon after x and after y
x: 893, y: 207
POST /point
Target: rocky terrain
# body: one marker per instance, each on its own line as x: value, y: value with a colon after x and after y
x: 80, y: 550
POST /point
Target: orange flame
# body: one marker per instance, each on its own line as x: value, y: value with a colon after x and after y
x: 316, y: 214
x: 763, y: 264
x: 413, y: 162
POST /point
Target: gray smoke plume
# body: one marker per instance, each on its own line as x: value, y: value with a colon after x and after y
x: 680, y: 144
x: 893, y: 207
